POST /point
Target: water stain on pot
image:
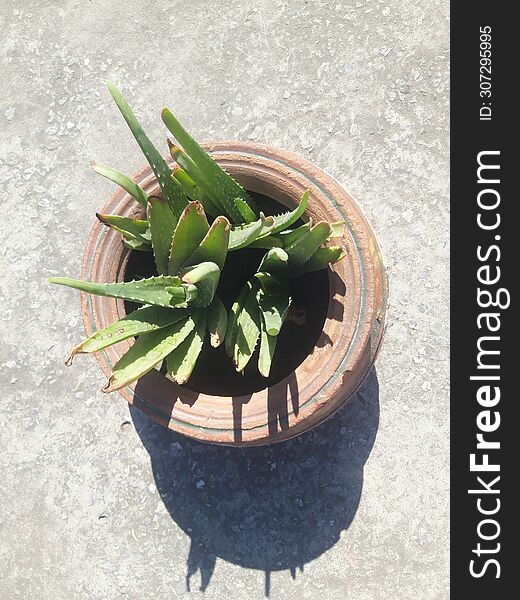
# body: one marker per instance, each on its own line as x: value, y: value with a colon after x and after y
x: 214, y: 372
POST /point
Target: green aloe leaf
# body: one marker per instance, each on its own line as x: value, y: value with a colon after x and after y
x: 136, y: 230
x: 289, y: 236
x: 161, y: 291
x: 143, y: 320
x: 162, y: 223
x: 267, y: 348
x: 231, y: 332
x: 134, y: 244
x: 205, y: 277
x: 182, y: 360
x: 246, y: 211
x: 248, y: 331
x: 215, y: 182
x: 193, y: 192
x: 147, y: 352
x: 189, y: 187
x: 170, y: 188
x: 214, y: 246
x: 321, y: 259
x: 267, y: 242
x: 123, y: 181
x: 337, y: 229
x: 306, y: 245
x: 217, y: 322
x: 185, y: 162
x: 269, y: 284
x: 276, y: 263
x: 189, y: 233
x: 243, y: 235
x: 285, y: 220
x: 274, y: 310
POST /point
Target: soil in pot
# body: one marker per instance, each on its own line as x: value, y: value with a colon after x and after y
x: 214, y: 372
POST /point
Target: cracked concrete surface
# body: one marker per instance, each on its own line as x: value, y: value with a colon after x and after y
x: 99, y: 503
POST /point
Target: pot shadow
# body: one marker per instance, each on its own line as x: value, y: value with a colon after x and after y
x: 270, y: 508
x: 277, y: 408
x: 238, y: 403
x: 278, y: 405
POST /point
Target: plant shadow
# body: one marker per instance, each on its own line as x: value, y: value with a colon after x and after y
x: 270, y: 508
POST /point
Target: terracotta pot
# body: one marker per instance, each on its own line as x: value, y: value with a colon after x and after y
x: 351, y: 335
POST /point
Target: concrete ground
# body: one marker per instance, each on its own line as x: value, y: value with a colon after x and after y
x: 96, y: 501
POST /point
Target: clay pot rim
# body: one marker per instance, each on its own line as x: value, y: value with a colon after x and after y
x: 362, y: 333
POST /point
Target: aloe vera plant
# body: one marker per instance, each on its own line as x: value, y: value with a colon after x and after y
x: 189, y: 255
x: 201, y: 214
x: 263, y: 304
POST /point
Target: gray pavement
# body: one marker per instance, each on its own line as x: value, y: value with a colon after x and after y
x: 96, y: 501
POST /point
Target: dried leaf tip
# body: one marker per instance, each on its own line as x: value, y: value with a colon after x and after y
x: 172, y: 146
x: 70, y: 357
x: 107, y: 388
